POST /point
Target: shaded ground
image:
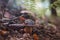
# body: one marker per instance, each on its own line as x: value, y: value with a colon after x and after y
x: 53, y: 34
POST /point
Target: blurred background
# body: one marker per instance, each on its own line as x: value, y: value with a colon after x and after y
x: 40, y: 7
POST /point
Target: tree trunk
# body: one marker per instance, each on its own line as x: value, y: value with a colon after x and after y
x: 53, y: 9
